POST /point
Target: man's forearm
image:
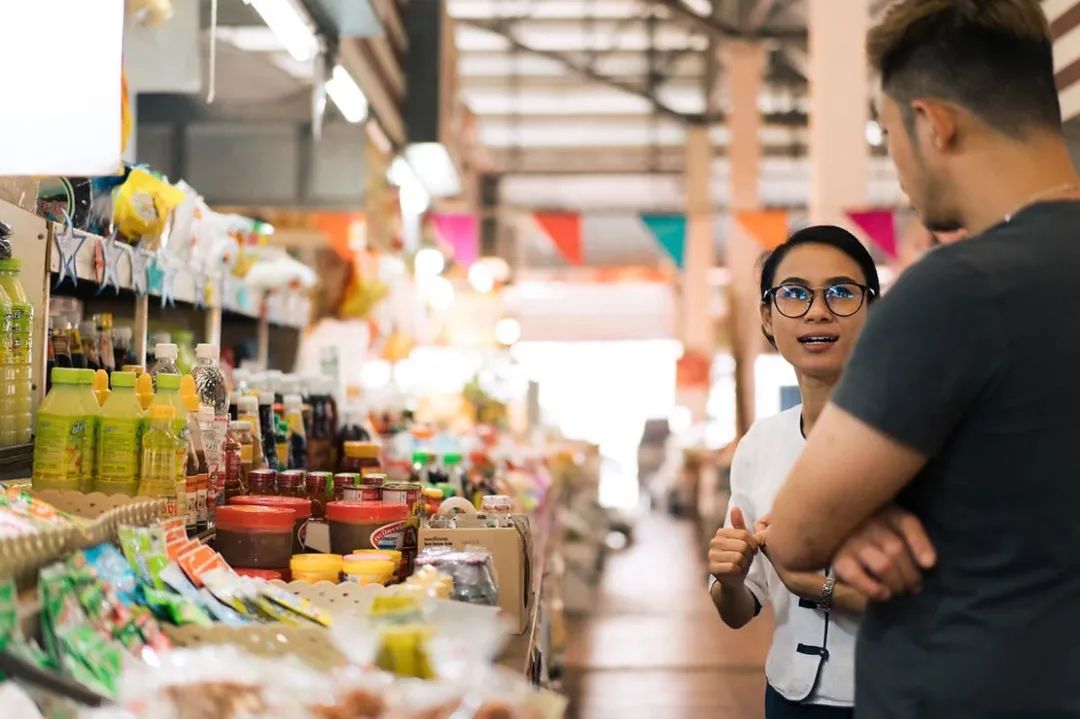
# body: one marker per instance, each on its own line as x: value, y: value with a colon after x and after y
x: 736, y: 605
x: 808, y: 585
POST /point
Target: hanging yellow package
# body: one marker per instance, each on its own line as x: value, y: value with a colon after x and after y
x: 143, y: 204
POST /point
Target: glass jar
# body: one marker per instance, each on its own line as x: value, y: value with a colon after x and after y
x: 346, y: 487
x: 365, y: 525
x: 262, y: 481
x: 290, y: 483
x: 320, y: 490
x: 360, y: 456
x: 371, y: 486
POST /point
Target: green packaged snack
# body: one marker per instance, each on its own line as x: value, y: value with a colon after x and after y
x: 145, y: 549
x: 173, y: 607
x: 9, y: 613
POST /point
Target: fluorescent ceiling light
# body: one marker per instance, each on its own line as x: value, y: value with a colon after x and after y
x: 291, y: 26
x: 347, y: 95
x: 435, y: 168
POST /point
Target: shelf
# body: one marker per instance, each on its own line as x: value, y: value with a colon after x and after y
x: 286, y: 308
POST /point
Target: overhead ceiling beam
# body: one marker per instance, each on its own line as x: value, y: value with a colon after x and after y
x: 722, y: 29
x: 585, y: 70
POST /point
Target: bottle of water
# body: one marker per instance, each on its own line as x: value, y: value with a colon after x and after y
x: 209, y: 380
x: 165, y: 354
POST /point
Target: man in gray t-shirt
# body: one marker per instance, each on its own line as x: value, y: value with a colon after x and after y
x: 942, y: 478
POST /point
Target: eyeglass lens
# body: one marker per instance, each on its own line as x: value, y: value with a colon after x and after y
x: 794, y: 301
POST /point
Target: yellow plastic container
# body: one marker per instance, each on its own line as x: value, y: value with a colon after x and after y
x: 391, y: 555
x: 313, y: 568
x: 364, y: 570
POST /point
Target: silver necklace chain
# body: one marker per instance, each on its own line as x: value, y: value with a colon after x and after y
x: 1042, y: 195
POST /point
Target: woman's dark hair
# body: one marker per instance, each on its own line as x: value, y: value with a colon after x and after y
x: 829, y: 235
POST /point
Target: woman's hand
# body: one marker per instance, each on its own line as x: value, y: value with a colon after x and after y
x: 731, y: 551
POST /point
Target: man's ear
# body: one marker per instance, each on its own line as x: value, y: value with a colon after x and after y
x: 936, y: 124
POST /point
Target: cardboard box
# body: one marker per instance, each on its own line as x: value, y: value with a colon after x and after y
x: 510, y: 553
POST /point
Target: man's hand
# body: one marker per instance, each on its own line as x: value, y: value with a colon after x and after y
x: 731, y: 551
x: 885, y: 556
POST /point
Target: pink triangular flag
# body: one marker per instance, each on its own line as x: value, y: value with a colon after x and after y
x: 462, y: 233
x: 879, y: 226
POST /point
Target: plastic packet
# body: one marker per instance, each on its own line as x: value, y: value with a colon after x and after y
x: 472, y: 570
x: 175, y: 608
x: 143, y: 205
x: 145, y: 550
x: 111, y: 565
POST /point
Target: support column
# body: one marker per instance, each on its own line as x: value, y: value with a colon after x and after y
x: 839, y: 109
x: 744, y: 65
x: 697, y: 331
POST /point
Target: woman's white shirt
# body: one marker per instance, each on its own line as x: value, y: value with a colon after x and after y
x: 761, y: 464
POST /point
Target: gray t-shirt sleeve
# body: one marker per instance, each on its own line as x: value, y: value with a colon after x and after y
x: 928, y: 350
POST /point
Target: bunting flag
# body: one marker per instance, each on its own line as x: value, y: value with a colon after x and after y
x: 768, y: 227
x: 879, y: 226
x: 564, y: 229
x: 462, y: 233
x: 670, y: 233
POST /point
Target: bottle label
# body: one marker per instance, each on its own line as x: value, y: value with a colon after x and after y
x: 247, y: 454
x: 389, y: 536
x: 118, y: 445
x: 191, y: 510
x: 59, y: 446
x: 282, y: 454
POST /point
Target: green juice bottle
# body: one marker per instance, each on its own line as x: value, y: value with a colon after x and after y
x: 121, y: 422
x: 20, y: 351
x: 62, y: 433
x: 168, y: 393
x: 157, y: 468
x: 91, y: 407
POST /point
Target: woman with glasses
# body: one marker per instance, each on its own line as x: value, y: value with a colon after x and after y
x: 816, y: 289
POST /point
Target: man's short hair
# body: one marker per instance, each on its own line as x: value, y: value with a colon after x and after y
x: 994, y: 58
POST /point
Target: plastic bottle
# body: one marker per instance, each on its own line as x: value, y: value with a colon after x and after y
x: 247, y: 410
x: 297, y: 437
x: 455, y: 472
x: 266, y: 430
x: 7, y: 372
x: 75, y: 347
x: 165, y: 363
x: 209, y: 380
x: 60, y: 434
x: 120, y: 426
x: 215, y: 466
x: 169, y: 394
x: 106, y: 354
x: 18, y: 382
x: 157, y: 471
x: 233, y: 460
x: 91, y: 407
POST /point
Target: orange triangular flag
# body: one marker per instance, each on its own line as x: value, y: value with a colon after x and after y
x: 564, y: 229
x: 768, y: 227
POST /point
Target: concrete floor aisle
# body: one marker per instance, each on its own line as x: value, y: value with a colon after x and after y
x: 654, y: 647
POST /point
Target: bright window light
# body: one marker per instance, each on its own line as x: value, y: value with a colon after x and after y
x: 414, y: 197
x: 508, y: 331
x: 429, y: 262
x: 435, y: 168
x: 290, y: 25
x: 347, y: 95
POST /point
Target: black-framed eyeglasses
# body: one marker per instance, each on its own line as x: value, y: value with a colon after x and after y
x: 842, y: 298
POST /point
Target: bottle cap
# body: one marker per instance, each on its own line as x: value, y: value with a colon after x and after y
x: 238, y: 426
x: 266, y: 397
x: 10, y: 265
x: 247, y: 404
x: 123, y: 379
x: 162, y: 412
x: 166, y: 350
x: 65, y: 375
x: 207, y: 351
x: 293, y: 401
x: 168, y: 381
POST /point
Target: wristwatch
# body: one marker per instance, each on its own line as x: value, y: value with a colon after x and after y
x: 827, y: 592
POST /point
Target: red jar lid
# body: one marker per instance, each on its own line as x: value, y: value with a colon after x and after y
x: 242, y: 517
x: 267, y: 574
x: 300, y: 507
x: 346, y: 479
x: 365, y: 512
x: 319, y: 481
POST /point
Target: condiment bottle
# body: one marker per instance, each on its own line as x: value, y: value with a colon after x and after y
x: 320, y: 490
x: 247, y: 449
x: 360, y: 456
x: 157, y: 471
x: 262, y: 481
x: 233, y: 485
x: 290, y: 483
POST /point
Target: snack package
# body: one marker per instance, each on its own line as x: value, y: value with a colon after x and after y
x: 145, y: 550
x: 143, y: 205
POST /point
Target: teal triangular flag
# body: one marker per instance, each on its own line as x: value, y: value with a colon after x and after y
x: 670, y: 232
